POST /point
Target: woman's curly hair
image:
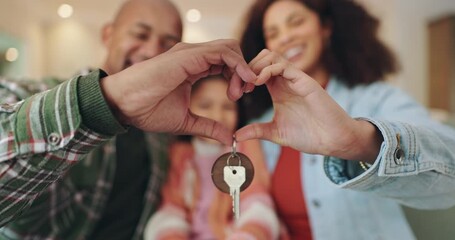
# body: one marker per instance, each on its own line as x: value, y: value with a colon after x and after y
x: 354, y: 54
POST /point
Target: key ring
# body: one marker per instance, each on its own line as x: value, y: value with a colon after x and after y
x: 231, y: 156
x: 234, y: 146
x: 234, y: 153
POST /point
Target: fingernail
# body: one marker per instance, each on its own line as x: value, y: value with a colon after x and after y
x: 247, y: 88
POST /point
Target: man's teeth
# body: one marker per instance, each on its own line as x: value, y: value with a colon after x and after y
x: 293, y: 52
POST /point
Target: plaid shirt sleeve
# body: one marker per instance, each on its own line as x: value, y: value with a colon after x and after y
x: 41, y: 137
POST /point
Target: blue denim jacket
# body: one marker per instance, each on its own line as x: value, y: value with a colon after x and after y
x: 365, y: 206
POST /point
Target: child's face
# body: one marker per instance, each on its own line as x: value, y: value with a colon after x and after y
x: 210, y: 100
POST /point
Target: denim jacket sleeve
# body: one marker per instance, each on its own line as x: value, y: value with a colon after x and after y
x: 416, y: 163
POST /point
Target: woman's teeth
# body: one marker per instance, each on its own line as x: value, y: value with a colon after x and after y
x: 293, y: 52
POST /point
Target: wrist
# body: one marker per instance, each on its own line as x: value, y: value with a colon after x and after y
x: 370, y: 140
x: 113, y: 99
x: 365, y: 142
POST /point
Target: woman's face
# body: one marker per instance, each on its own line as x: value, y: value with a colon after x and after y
x: 296, y: 32
x: 210, y: 100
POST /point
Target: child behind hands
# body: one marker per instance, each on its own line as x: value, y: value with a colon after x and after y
x: 192, y: 207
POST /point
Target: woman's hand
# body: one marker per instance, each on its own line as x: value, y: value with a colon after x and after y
x: 306, y: 117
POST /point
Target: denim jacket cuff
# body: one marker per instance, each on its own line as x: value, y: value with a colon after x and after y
x: 397, y: 157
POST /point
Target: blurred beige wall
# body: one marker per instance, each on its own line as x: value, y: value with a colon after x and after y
x: 404, y: 28
x: 70, y: 46
x: 21, y: 23
x: 52, y: 46
x: 60, y: 47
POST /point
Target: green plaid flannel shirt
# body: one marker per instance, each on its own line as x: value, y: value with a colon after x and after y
x: 57, y: 159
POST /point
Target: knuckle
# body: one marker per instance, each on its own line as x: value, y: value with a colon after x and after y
x: 274, y: 55
x: 265, y: 50
x: 180, y: 45
x: 232, y: 41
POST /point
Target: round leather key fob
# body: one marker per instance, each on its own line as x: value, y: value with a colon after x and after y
x: 231, y: 159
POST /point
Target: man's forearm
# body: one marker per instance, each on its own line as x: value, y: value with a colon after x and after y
x: 43, y: 136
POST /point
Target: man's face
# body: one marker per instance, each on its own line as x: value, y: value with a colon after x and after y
x: 142, y: 30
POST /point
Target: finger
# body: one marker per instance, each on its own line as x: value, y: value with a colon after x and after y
x: 205, y: 56
x: 213, y: 70
x: 233, y: 60
x: 235, y: 89
x: 284, y: 70
x: 248, y: 87
x: 270, y: 71
x: 265, y: 131
x: 230, y: 43
x: 268, y: 59
x: 234, y: 65
x: 260, y: 56
x: 179, y: 46
x: 201, y: 126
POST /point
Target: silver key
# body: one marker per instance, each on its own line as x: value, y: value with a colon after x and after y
x: 234, y: 176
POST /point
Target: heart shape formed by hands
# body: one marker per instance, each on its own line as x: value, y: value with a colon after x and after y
x: 155, y: 96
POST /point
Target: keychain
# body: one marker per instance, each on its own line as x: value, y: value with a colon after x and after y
x: 232, y: 173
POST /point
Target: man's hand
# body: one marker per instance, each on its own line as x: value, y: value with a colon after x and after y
x: 154, y: 95
x: 306, y: 117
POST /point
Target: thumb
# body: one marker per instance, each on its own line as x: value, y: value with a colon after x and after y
x: 265, y: 131
x: 201, y: 126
